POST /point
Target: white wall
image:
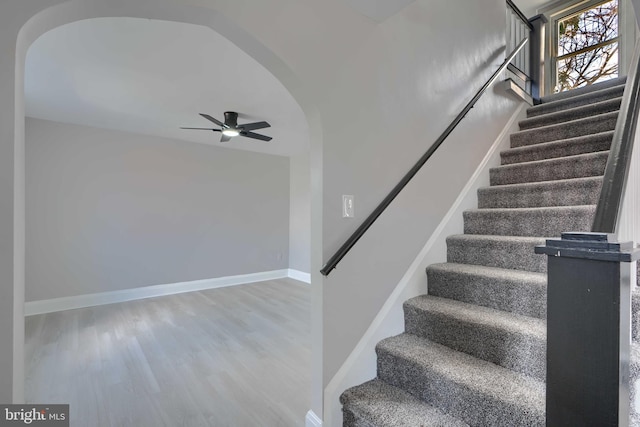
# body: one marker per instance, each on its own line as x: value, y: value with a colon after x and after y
x: 110, y: 210
x: 401, y: 89
x: 300, y: 214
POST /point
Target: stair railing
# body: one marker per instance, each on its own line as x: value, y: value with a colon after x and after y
x: 616, y: 173
x: 519, y: 28
x: 589, y: 280
x: 361, y: 230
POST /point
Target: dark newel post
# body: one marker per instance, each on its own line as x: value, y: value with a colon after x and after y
x: 588, y: 329
x: 538, y: 37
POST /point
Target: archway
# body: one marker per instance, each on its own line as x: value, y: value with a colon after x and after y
x: 66, y: 12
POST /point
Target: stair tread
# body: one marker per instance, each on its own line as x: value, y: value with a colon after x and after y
x: 586, y: 157
x: 533, y: 240
x: 577, y: 166
x: 584, y: 99
x: 475, y: 314
x: 569, y: 122
x: 585, y: 90
x: 559, y: 192
x: 543, y: 147
x: 383, y: 405
x: 530, y: 221
x: 542, y: 184
x: 533, y: 209
x: 507, y: 339
x: 572, y: 113
x: 475, y: 374
x: 512, y: 252
x: 491, y: 272
x: 579, y: 127
x: 517, y: 291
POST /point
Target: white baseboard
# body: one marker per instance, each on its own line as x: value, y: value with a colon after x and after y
x: 360, y: 365
x: 312, y: 420
x: 102, y: 298
x: 300, y: 276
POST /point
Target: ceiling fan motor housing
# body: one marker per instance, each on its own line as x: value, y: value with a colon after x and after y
x: 231, y: 119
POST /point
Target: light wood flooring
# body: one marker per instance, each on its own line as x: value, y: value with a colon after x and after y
x: 236, y: 356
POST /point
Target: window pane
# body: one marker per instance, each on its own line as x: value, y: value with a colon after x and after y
x: 586, y: 68
x: 588, y: 28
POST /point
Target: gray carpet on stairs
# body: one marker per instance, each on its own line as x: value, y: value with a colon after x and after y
x: 474, y: 349
x: 509, y: 252
x: 575, y: 113
x: 506, y: 339
x: 515, y: 291
x: 578, y: 166
x: 561, y: 192
x: 559, y: 104
x: 560, y: 148
x: 579, y: 127
x: 471, y: 389
x: 376, y: 403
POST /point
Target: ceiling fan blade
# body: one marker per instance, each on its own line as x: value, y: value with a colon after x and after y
x: 215, y: 130
x: 216, y: 121
x: 224, y: 138
x: 254, y: 126
x: 256, y: 136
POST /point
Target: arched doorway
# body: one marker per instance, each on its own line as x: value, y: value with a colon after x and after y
x: 41, y: 20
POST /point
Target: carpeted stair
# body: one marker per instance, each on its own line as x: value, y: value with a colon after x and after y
x: 474, y: 349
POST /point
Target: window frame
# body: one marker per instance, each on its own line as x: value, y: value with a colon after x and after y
x: 557, y: 11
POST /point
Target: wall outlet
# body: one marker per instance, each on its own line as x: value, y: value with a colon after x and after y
x: 347, y: 206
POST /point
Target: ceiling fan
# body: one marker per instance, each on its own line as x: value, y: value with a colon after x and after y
x: 231, y: 128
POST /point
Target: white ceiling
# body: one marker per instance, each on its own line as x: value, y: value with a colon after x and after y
x: 151, y: 77
x: 530, y: 7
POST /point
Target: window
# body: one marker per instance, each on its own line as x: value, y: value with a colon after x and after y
x: 587, y: 46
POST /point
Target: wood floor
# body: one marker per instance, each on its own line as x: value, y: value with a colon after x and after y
x: 236, y: 356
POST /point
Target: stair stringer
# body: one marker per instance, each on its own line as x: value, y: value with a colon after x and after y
x: 629, y: 230
x: 360, y: 366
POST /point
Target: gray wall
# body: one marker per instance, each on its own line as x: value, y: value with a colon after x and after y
x: 110, y: 210
x: 300, y: 214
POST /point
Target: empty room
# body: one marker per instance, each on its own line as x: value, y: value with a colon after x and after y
x: 167, y: 230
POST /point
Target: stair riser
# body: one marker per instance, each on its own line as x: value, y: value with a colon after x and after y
x: 549, y: 170
x: 556, y: 149
x: 583, y: 192
x: 528, y: 298
x: 519, y: 352
x: 437, y: 389
x: 515, y: 255
x: 588, y: 126
x: 571, y: 114
x: 535, y: 222
x: 351, y: 419
x: 376, y: 403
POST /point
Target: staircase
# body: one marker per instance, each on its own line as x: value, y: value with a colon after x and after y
x: 474, y: 349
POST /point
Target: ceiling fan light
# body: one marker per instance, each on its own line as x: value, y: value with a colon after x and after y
x: 231, y: 132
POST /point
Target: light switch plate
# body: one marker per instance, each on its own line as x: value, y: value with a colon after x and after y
x: 347, y: 206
